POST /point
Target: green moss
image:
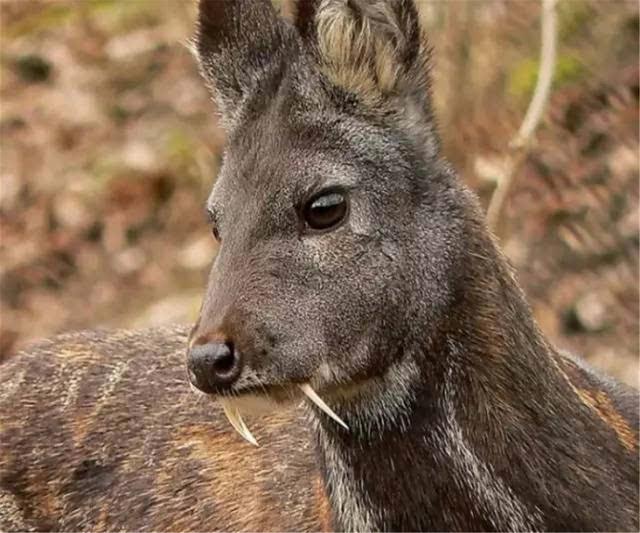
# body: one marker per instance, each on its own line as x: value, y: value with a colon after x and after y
x: 117, y: 16
x: 49, y: 16
x: 573, y: 17
x: 179, y: 146
x: 180, y: 149
x: 523, y: 78
x: 569, y: 69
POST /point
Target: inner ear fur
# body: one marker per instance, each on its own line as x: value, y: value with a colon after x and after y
x: 372, y: 48
x: 376, y: 50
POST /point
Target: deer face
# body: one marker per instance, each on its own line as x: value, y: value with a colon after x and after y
x: 337, y: 222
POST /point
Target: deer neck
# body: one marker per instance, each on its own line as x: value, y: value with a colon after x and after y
x: 417, y: 454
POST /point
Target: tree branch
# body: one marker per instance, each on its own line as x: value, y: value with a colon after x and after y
x: 520, y: 144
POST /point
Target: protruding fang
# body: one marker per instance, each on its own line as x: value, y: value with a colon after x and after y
x: 313, y: 396
x: 234, y: 417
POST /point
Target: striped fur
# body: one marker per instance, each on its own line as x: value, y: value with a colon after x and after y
x: 405, y: 318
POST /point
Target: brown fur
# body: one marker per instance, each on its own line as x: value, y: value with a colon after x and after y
x: 113, y: 438
x: 88, y: 442
x: 590, y: 393
x: 406, y: 318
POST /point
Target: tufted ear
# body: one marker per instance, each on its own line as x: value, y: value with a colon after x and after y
x: 237, y: 44
x: 374, y: 49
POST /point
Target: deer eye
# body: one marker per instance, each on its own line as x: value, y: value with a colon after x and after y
x: 325, y: 211
x: 213, y: 222
x: 215, y: 232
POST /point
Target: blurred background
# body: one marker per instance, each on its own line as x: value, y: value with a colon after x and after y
x: 110, y: 146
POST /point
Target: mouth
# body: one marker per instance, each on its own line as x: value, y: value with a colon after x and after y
x: 278, y: 394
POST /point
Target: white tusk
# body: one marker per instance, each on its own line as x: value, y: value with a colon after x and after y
x: 234, y: 417
x: 313, y: 396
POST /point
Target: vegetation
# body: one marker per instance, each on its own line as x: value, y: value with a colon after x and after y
x: 109, y: 147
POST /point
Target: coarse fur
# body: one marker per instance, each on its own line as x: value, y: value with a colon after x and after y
x: 406, y: 319
x: 99, y: 431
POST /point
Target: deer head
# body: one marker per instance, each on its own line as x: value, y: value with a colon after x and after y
x: 340, y: 226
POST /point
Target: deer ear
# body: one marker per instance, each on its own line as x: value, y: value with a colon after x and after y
x: 236, y: 43
x: 374, y: 49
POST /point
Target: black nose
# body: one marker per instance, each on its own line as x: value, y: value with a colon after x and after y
x: 213, y: 367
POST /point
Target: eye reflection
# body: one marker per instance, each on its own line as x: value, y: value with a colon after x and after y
x: 325, y: 211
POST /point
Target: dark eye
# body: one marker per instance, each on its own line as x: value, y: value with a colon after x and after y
x: 213, y: 223
x: 325, y: 211
x: 214, y: 231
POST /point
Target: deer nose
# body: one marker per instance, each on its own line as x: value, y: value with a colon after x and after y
x: 213, y: 366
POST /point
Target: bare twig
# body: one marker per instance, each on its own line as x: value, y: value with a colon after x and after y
x: 519, y: 145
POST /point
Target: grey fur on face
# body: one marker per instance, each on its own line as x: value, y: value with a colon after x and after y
x: 295, y: 301
x: 400, y: 310
x: 405, y: 316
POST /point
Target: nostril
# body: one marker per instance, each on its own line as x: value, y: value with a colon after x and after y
x: 225, y: 360
x: 214, y: 366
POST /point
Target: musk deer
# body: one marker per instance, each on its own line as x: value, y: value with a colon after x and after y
x: 354, y: 269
